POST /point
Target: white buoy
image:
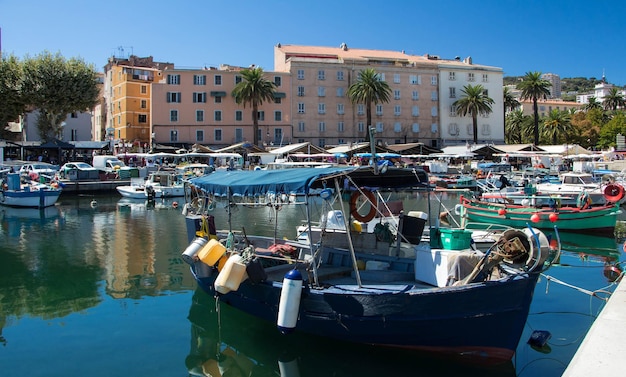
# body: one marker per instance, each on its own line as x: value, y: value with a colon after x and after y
x: 94, y: 203
x: 289, y: 305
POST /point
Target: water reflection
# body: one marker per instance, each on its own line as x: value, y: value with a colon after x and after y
x: 225, y: 341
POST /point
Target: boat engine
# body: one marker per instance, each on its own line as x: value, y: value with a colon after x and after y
x: 526, y: 249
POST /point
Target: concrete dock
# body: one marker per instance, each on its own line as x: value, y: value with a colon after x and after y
x: 80, y: 187
x: 601, y: 352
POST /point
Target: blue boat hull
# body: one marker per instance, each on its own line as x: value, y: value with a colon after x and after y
x: 483, y: 319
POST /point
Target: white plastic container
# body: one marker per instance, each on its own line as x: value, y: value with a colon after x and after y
x: 190, y: 255
x: 373, y: 265
x: 231, y: 276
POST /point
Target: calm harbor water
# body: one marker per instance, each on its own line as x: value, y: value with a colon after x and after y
x: 99, y: 289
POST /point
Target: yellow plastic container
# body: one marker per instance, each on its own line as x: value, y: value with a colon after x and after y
x: 211, y: 252
x: 233, y: 273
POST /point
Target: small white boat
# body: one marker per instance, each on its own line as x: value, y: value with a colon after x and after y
x: 13, y: 193
x: 160, y: 184
x: 138, y: 189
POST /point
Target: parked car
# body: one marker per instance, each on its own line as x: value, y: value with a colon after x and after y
x: 78, y: 171
x: 35, y: 169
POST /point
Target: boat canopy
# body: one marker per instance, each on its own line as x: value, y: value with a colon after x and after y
x: 300, y: 181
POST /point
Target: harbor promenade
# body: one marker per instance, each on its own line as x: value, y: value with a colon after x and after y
x: 601, y: 352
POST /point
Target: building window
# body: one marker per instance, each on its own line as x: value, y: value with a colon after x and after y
x: 300, y: 108
x: 238, y: 135
x: 396, y: 94
x: 470, y: 76
x: 485, y: 130
x: 300, y: 74
x: 199, y: 135
x: 415, y: 79
x: 321, y: 108
x: 433, y: 95
x: 238, y: 79
x: 173, y: 79
x: 452, y: 76
x: 199, y: 97
x: 340, y: 127
x: 142, y: 118
x: 278, y: 116
x: 301, y: 127
x: 396, y: 78
x: 434, y: 128
x: 217, y: 99
x: 452, y: 111
x: 173, y: 115
x: 485, y: 77
x: 452, y: 92
x: 173, y: 97
x: 321, y: 91
x: 322, y: 126
x: 277, y: 81
x: 360, y: 126
x: 360, y: 109
x: 379, y: 109
x: 433, y: 80
x: 261, y: 115
x: 199, y: 79
x: 218, y: 134
x: 173, y: 135
x: 218, y: 115
x: 321, y: 75
x: 218, y: 80
x: 300, y: 91
x: 339, y: 75
x: 415, y: 111
x: 396, y: 110
x: 379, y: 126
x: 144, y: 89
x: 144, y: 104
x: 322, y: 143
x: 340, y: 110
x: 199, y: 115
x: 278, y: 100
x: 397, y: 127
x: 415, y: 95
x: 433, y: 111
x: 415, y: 127
x: 339, y: 92
x: 238, y: 115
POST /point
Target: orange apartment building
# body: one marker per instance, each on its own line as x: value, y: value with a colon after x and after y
x: 127, y: 93
x: 195, y: 106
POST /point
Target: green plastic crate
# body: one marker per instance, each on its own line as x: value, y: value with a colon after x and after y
x: 455, y: 239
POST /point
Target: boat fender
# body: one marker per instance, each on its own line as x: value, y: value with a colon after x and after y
x: 583, y: 201
x: 372, y: 202
x: 613, y: 193
x: 289, y: 304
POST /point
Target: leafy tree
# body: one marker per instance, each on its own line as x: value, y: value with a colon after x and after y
x: 556, y: 125
x: 474, y: 101
x: 11, y: 98
x: 516, y: 127
x: 58, y: 87
x: 368, y: 89
x: 254, y: 89
x: 614, y: 100
x: 533, y: 87
x: 615, y: 126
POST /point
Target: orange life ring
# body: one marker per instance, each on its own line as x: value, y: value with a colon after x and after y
x: 613, y: 193
x: 354, y: 211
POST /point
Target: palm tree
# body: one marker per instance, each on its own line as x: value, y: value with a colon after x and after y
x: 254, y: 89
x: 510, y: 103
x: 516, y: 126
x: 368, y: 89
x: 613, y: 100
x: 474, y: 101
x: 533, y: 87
x: 556, y: 124
x: 592, y: 104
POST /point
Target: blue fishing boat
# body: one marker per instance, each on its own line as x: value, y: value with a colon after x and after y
x: 391, y: 287
x: 32, y: 194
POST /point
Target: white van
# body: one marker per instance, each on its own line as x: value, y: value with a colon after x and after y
x: 107, y: 163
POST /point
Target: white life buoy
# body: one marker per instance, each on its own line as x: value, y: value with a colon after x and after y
x: 289, y: 305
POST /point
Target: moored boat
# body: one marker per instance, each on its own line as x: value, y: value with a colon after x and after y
x: 584, y: 218
x: 31, y: 194
x: 378, y: 288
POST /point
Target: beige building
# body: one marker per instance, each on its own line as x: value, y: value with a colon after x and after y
x: 196, y: 106
x: 324, y: 115
x: 544, y: 107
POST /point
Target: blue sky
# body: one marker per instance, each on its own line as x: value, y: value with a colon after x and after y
x: 571, y: 38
